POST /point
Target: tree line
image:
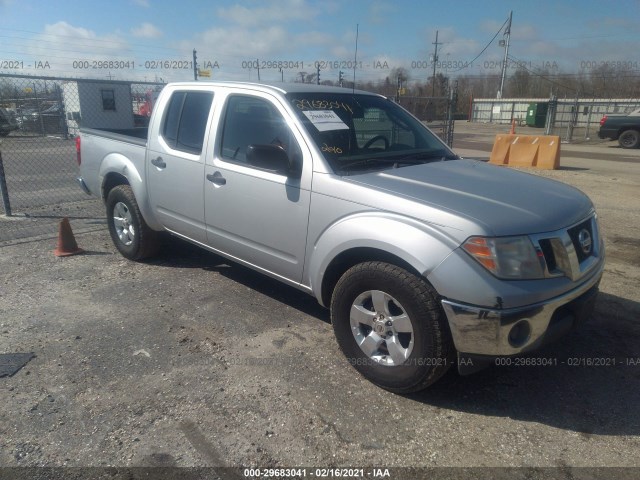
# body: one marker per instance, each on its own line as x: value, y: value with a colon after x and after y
x: 602, y: 81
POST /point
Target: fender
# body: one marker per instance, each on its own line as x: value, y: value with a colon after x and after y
x: 116, y: 163
x: 421, y: 245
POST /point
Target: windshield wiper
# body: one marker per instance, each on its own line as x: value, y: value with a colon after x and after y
x: 366, y: 161
x: 422, y: 157
x: 399, y: 160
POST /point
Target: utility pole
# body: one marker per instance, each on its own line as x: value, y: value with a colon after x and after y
x: 355, y: 56
x: 195, y: 66
x: 399, y: 89
x: 258, y: 67
x: 318, y: 74
x: 435, y: 60
x: 507, y: 32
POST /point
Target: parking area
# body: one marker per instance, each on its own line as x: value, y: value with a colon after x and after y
x: 188, y: 360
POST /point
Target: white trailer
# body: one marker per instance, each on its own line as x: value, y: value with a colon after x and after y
x: 92, y: 104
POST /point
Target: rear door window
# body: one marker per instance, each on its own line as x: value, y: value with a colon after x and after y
x: 185, y: 121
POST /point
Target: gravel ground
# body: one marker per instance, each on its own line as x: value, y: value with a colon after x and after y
x: 189, y: 361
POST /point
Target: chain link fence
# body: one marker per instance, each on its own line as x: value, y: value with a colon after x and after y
x: 437, y: 113
x: 39, y: 121
x: 578, y: 120
x: 573, y: 120
x: 40, y: 118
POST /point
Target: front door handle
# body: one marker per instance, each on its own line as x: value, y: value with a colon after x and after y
x: 217, y: 178
x: 158, y: 162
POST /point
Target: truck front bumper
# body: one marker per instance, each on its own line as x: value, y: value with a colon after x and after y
x: 496, y: 332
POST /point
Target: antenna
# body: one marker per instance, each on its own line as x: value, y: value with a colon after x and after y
x: 355, y: 59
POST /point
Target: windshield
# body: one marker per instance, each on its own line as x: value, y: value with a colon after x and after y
x: 358, y: 133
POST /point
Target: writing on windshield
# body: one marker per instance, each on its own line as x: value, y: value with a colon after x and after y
x: 316, y: 104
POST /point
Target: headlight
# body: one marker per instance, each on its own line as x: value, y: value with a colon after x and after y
x: 507, y: 257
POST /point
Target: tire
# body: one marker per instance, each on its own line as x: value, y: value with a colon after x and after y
x: 395, y: 316
x: 629, y: 139
x: 130, y: 234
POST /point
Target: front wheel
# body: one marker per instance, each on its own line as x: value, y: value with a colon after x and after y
x: 629, y: 139
x: 130, y: 233
x: 390, y: 326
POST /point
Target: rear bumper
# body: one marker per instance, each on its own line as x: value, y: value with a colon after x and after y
x: 83, y: 185
x: 612, y: 134
x: 493, y: 332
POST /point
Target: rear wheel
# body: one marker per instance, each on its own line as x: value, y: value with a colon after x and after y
x: 130, y: 234
x: 629, y: 139
x: 390, y: 326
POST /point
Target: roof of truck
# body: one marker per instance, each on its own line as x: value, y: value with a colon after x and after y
x: 279, y: 87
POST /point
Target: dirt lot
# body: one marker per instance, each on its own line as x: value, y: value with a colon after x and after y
x: 189, y: 361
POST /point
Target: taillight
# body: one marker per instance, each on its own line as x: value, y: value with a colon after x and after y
x: 602, y: 120
x: 79, y: 159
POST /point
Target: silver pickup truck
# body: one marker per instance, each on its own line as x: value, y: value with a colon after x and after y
x: 425, y: 259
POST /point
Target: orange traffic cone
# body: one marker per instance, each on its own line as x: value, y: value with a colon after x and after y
x: 513, y: 127
x: 66, y: 241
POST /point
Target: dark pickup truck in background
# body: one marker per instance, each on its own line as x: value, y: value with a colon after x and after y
x: 625, y: 128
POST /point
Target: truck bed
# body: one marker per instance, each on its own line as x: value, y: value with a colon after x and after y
x: 99, y: 144
x: 137, y: 136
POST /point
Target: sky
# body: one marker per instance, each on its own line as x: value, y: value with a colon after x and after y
x: 152, y: 39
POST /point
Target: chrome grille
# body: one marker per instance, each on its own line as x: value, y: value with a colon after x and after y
x: 570, y: 252
x: 579, y: 240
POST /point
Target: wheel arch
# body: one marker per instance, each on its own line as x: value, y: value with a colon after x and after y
x: 412, y: 245
x: 349, y: 258
x: 112, y: 179
x: 623, y: 129
x: 116, y: 169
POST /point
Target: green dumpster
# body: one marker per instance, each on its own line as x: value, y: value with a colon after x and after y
x: 537, y: 114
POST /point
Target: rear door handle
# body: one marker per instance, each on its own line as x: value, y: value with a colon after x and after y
x: 158, y: 162
x: 217, y: 178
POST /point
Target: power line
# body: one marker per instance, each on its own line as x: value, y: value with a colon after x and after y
x: 544, y: 77
x: 507, y: 32
x: 483, y: 50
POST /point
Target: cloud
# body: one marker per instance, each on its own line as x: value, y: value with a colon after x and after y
x: 617, y: 23
x: 379, y: 10
x: 62, y: 44
x: 243, y: 43
x: 146, y: 30
x: 274, y: 13
x: 524, y: 32
x: 314, y: 39
x: 266, y: 31
x: 142, y: 3
x: 457, y: 46
x: 63, y: 36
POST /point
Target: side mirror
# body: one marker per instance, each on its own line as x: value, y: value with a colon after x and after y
x: 272, y: 158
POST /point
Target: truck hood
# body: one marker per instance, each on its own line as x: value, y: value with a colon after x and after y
x: 500, y: 200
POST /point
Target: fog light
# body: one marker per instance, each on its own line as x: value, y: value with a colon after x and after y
x: 520, y: 333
